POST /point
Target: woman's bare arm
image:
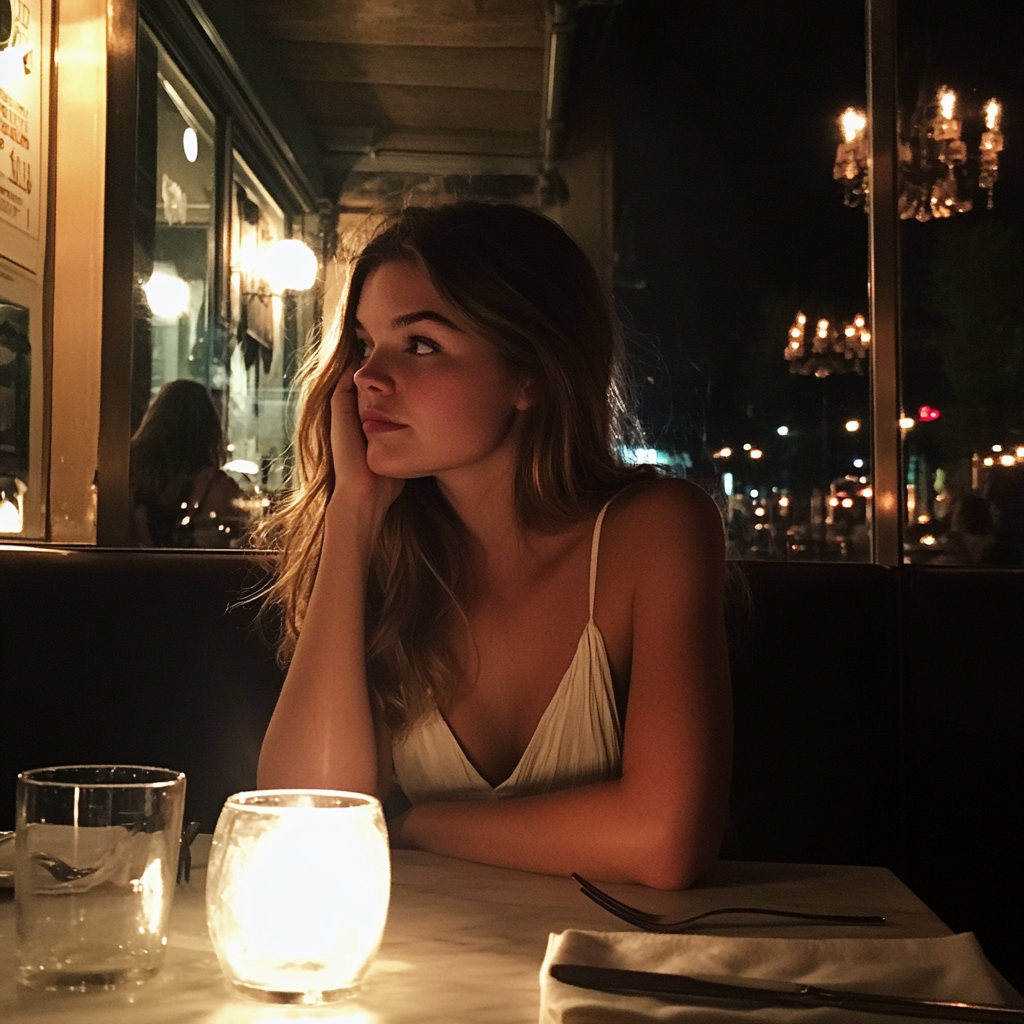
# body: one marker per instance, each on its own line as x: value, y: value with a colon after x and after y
x: 661, y: 823
x: 322, y: 733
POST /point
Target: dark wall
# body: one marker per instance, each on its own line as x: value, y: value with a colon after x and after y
x: 133, y: 657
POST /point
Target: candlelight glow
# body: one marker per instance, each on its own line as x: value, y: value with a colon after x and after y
x: 993, y: 112
x: 947, y: 102
x: 852, y: 122
x: 298, y: 892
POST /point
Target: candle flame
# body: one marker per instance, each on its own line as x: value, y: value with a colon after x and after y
x: 852, y: 122
x: 993, y: 111
x: 947, y: 102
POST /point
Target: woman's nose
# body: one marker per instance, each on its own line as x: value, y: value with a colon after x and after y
x: 373, y: 375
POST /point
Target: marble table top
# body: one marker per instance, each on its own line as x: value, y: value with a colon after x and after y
x: 464, y: 943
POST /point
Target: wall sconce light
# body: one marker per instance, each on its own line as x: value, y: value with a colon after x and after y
x: 290, y: 265
x: 168, y: 295
x: 297, y: 893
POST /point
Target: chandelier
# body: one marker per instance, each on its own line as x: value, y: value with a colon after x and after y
x: 829, y: 350
x: 933, y: 158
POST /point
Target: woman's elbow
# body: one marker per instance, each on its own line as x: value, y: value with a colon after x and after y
x: 675, y: 860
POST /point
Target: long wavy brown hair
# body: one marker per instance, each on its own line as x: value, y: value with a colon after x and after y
x: 519, y: 281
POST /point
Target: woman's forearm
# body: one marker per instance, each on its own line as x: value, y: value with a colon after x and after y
x: 603, y: 831
x: 322, y: 733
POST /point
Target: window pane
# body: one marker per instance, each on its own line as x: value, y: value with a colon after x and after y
x: 729, y: 224
x: 962, y: 264
x: 180, y: 381
x: 258, y: 409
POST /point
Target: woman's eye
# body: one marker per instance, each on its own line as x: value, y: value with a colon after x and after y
x: 364, y: 348
x: 421, y: 346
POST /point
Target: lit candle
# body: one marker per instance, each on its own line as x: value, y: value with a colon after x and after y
x: 297, y: 893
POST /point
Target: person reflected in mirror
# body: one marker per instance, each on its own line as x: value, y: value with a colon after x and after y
x: 484, y: 605
x: 181, y: 498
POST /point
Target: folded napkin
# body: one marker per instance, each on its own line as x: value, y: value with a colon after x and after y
x: 952, y: 967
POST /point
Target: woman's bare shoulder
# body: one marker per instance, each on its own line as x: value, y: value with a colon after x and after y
x: 667, y: 507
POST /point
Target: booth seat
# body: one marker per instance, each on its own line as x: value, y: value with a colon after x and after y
x: 879, y: 713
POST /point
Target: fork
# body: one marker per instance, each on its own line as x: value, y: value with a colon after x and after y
x: 664, y: 923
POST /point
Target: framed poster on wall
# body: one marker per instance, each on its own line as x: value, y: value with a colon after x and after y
x: 25, y: 67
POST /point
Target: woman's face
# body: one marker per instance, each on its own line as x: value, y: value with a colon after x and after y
x: 433, y: 397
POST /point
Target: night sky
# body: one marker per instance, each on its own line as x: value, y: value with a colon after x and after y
x: 728, y: 220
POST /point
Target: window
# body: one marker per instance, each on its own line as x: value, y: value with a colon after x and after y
x: 220, y: 318
x: 743, y: 267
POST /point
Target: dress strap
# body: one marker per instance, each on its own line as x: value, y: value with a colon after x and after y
x: 595, y: 544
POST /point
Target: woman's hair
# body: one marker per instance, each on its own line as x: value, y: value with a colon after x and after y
x: 517, y: 280
x: 179, y: 435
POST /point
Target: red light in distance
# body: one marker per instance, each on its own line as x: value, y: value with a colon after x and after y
x: 926, y: 413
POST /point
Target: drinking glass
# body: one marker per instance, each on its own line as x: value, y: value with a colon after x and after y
x: 297, y: 893
x: 96, y: 853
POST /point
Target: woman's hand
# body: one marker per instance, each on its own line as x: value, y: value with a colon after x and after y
x: 356, y: 487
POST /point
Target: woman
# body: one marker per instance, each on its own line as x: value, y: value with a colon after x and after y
x: 462, y: 533
x: 180, y: 496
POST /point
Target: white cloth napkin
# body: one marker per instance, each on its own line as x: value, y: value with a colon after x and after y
x: 952, y: 967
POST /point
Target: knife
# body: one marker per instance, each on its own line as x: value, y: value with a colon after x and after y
x: 679, y: 988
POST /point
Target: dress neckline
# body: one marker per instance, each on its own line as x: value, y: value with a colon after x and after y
x: 590, y: 635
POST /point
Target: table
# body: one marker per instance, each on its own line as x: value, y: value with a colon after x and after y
x: 464, y: 943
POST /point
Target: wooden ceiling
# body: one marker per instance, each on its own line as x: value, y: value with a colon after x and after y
x: 415, y: 87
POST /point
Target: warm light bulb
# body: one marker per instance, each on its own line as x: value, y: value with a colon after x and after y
x: 947, y: 102
x: 243, y: 466
x: 167, y: 294
x: 990, y: 461
x: 190, y: 143
x: 853, y: 426
x: 756, y: 453
x: 725, y: 452
x: 784, y: 502
x: 1006, y: 460
x: 290, y: 264
x: 906, y: 422
x: 852, y: 122
x: 801, y: 319
x: 10, y: 517
x: 993, y: 111
x: 858, y: 321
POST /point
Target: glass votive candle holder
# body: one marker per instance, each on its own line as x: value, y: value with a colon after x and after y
x: 297, y: 893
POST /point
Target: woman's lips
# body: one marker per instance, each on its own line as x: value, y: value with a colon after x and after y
x: 373, y: 425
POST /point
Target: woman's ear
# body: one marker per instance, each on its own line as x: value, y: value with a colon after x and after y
x: 527, y: 396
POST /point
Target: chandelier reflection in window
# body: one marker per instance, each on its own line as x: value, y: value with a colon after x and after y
x: 828, y: 350
x: 935, y: 165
